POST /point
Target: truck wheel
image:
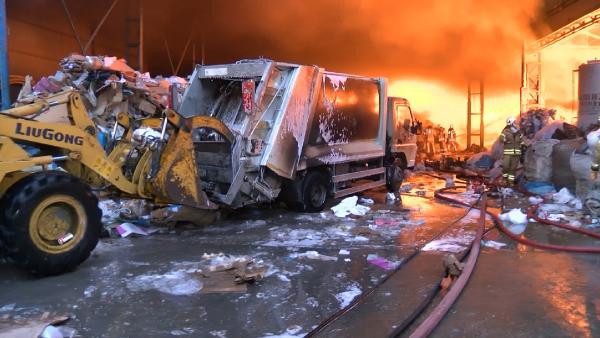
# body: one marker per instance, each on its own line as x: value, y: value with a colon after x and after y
x: 50, y: 223
x: 314, y: 191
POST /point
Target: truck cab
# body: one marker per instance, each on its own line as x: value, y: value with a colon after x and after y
x: 402, y: 130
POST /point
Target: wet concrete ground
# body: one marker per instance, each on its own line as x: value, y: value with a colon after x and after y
x: 146, y: 287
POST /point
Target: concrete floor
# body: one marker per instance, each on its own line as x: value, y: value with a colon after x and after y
x: 145, y: 286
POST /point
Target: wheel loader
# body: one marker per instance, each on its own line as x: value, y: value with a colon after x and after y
x: 51, y: 161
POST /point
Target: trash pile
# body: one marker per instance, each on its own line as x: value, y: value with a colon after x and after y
x: 534, y: 120
x: 108, y: 86
x: 125, y: 217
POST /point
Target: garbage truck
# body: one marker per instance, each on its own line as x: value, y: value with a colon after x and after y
x: 295, y: 133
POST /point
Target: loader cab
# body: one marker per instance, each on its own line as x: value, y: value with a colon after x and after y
x: 402, y: 130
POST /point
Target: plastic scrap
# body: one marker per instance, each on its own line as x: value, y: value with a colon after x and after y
x: 313, y: 255
x: 349, y: 206
x: 564, y: 196
x: 382, y: 262
x: 126, y: 229
x: 343, y: 252
x: 515, y: 216
x: 493, y: 244
x: 366, y: 201
x: 535, y: 200
x: 539, y: 188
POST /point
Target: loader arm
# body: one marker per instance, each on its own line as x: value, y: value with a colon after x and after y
x: 78, y: 141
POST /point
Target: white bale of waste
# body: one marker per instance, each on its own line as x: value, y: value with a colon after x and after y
x: 538, y: 161
x: 562, y: 176
x: 580, y: 166
x: 548, y: 130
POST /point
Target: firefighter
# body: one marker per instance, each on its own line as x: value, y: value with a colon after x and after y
x: 442, y: 138
x: 452, y: 144
x: 430, y: 141
x: 512, y: 139
x: 596, y: 162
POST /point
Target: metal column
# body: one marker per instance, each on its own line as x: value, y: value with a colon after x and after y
x: 4, y: 75
x: 134, y: 35
x: 475, y: 96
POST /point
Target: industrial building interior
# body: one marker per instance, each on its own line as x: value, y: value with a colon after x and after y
x: 299, y: 168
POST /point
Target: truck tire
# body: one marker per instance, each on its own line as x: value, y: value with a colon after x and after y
x: 50, y: 222
x: 315, y: 190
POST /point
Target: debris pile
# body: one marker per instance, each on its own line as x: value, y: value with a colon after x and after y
x: 534, y: 120
x: 108, y: 85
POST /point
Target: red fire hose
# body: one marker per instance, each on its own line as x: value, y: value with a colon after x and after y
x: 444, y: 306
x: 523, y: 240
x: 532, y: 213
x: 438, y: 313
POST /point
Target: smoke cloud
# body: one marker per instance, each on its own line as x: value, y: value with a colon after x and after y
x: 449, y: 41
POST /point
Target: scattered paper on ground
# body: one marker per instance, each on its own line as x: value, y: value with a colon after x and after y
x: 346, y: 297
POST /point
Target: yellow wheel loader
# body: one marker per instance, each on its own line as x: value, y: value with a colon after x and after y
x: 51, y: 160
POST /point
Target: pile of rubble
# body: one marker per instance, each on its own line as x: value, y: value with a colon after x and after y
x: 108, y: 86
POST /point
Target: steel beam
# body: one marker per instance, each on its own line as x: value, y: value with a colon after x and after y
x: 141, y: 44
x: 68, y: 14
x: 100, y: 24
x: 187, y: 44
x: 169, y: 56
x: 566, y: 31
x: 4, y: 74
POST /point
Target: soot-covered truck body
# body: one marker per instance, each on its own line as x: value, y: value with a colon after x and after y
x: 295, y: 133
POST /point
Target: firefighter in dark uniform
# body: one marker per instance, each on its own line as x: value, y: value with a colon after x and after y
x: 512, y: 139
x: 452, y: 144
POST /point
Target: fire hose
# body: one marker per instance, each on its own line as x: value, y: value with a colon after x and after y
x: 443, y: 307
x: 532, y: 213
x: 438, y: 313
x: 361, y: 298
x: 436, y: 316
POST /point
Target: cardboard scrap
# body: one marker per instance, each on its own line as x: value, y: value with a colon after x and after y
x: 233, y: 276
x: 30, y: 328
x: 362, y: 230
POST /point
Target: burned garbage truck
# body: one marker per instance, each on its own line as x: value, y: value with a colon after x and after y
x: 296, y: 133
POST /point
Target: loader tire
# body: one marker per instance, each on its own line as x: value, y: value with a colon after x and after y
x: 315, y: 190
x: 50, y: 222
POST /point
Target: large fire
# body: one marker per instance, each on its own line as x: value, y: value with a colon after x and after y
x: 446, y: 105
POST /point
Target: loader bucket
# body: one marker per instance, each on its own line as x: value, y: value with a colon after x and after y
x: 177, y: 179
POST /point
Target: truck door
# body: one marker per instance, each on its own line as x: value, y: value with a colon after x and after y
x: 401, y: 123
